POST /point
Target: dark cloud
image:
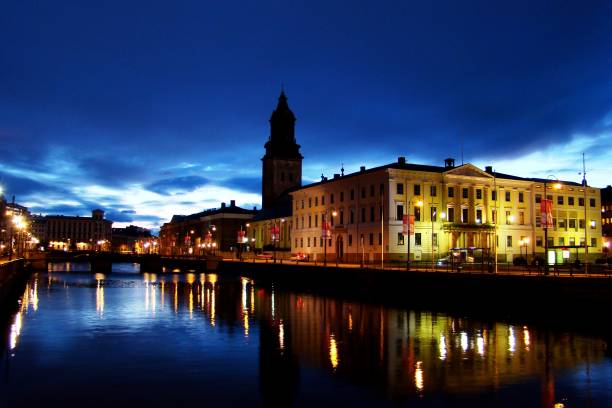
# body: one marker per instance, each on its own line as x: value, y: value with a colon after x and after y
x: 22, y: 186
x: 245, y: 184
x: 177, y: 185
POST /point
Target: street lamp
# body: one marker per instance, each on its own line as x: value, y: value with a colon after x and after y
x: 524, y: 243
x: 327, y: 235
x: 547, y: 206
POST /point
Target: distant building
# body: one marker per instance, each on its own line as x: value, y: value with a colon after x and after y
x: 133, y: 239
x: 606, y: 217
x: 457, y: 209
x: 60, y: 232
x: 13, y: 236
x: 211, y: 230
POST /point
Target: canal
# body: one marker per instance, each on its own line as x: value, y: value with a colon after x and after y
x: 79, y: 338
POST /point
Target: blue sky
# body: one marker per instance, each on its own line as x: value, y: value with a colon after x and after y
x: 150, y: 108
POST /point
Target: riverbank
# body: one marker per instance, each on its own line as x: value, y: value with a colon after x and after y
x: 12, y: 276
x: 549, y: 297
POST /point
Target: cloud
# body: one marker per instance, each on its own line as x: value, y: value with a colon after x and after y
x: 246, y: 184
x: 177, y: 185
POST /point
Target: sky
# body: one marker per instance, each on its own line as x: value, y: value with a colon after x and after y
x: 152, y: 108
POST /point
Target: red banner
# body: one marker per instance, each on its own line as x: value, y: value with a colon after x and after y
x: 241, y: 237
x: 325, y: 229
x: 208, y: 238
x: 408, y: 220
x: 546, y: 218
x: 275, y: 233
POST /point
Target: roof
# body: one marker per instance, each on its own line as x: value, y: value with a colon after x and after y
x: 428, y: 169
x: 232, y: 209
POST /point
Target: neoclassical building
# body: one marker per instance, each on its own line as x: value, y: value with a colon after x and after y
x: 460, y: 209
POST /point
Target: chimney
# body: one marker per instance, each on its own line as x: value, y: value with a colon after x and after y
x: 489, y: 169
x: 222, y: 205
x: 232, y: 203
x: 449, y: 163
x: 401, y: 160
x: 254, y: 208
x: 362, y: 168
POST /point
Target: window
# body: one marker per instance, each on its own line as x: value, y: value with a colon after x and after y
x: 508, y: 196
x: 509, y: 241
x: 538, y: 198
x: 539, y: 242
x: 570, y: 200
x: 382, y: 189
x: 572, y: 241
x: 301, y: 242
x: 451, y: 191
x: 572, y: 223
x: 400, y: 238
x: 479, y: 194
x: 451, y: 214
x: 341, y: 217
x: 363, y: 214
x: 592, y: 202
x: 581, y: 201
x: 316, y: 220
x: 434, y: 239
x: 417, y: 238
x: 309, y: 221
x: 303, y: 225
x: 379, y: 238
x: 464, y: 215
x: 478, y: 216
x: 560, y: 200
x: 331, y: 198
x: 363, y: 195
x: 296, y: 243
x: 434, y: 214
x: 308, y: 242
x: 433, y: 191
x: 314, y: 242
x: 561, y: 240
x: 302, y: 204
x: 551, y: 242
x: 521, y: 217
x: 371, y: 238
x: 321, y: 242
x: 352, y: 216
x: 581, y: 224
x: 494, y: 195
x: 521, y: 197
x: 594, y: 242
x: 399, y: 212
x: 352, y: 194
x: 350, y: 240
x: 494, y: 216
x: 309, y: 202
x: 465, y: 193
x: 400, y: 188
x: 372, y: 190
x: 417, y: 213
x: 508, y: 217
x: 342, y: 196
x: 372, y: 214
x: 417, y: 189
x: 322, y: 200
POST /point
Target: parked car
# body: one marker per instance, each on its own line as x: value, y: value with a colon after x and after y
x: 265, y: 255
x: 300, y: 257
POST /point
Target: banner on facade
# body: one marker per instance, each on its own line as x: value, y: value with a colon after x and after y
x: 546, y: 217
x: 408, y: 224
x: 241, y: 239
x: 325, y: 230
x: 275, y: 233
x: 208, y: 237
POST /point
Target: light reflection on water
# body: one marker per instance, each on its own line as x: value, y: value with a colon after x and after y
x: 233, y: 339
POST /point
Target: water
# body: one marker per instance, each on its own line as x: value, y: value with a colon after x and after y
x: 130, y: 339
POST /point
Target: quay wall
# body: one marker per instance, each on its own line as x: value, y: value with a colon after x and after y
x: 547, y: 296
x: 12, y: 276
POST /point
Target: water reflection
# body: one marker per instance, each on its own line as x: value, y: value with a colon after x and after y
x: 396, y: 354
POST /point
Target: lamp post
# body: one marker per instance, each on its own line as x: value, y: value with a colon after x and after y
x: 548, y: 208
x: 327, y: 235
x: 410, y: 223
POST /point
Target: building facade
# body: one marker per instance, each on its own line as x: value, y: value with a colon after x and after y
x: 59, y: 232
x: 209, y: 231
x: 606, y: 218
x: 134, y: 239
x: 15, y: 228
x: 460, y: 210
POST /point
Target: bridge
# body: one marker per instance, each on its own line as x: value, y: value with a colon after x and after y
x: 102, y: 261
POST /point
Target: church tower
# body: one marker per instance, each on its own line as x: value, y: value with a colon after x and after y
x: 282, y: 163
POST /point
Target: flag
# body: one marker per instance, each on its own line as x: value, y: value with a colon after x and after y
x: 408, y: 223
x: 546, y: 217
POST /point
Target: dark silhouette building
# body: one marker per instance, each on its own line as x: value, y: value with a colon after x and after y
x: 282, y: 163
x: 606, y: 217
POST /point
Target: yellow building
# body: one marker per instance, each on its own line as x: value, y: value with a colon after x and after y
x: 457, y: 209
